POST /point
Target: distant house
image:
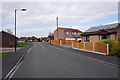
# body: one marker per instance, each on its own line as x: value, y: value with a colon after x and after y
x: 67, y: 34
x: 23, y: 38
x: 8, y: 39
x: 94, y: 34
x: 50, y: 36
x: 29, y: 39
x: 44, y: 38
x: 34, y: 39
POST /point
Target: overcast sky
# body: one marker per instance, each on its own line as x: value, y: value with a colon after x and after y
x: 40, y: 17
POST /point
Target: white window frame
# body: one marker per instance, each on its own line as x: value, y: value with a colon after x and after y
x: 75, y: 33
x: 67, y: 32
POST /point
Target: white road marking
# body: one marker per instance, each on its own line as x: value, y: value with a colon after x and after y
x: 41, y: 45
x: 14, y: 69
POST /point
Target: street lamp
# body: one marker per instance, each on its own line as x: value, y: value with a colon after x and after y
x: 15, y: 25
x: 57, y: 29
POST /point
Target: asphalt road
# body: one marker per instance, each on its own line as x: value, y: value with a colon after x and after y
x: 48, y: 61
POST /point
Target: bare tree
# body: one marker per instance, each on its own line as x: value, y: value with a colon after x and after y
x: 9, y: 31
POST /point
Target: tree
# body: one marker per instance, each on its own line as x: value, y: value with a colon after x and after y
x: 9, y: 31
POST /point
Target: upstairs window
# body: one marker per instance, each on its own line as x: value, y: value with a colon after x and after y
x: 74, y: 33
x: 79, y: 33
x: 67, y: 32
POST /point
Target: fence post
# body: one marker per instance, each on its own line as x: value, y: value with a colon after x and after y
x: 60, y: 42
x: 107, y: 49
x: 77, y: 45
x: 72, y: 44
x: 84, y: 45
x: 93, y: 46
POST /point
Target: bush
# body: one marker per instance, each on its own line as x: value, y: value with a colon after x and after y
x: 107, y: 41
x: 115, y: 49
x: 114, y: 46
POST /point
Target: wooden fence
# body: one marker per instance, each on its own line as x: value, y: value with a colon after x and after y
x: 55, y: 41
x: 97, y: 47
x: 63, y: 42
x: 81, y: 45
x: 101, y: 47
x: 89, y: 46
x: 75, y: 44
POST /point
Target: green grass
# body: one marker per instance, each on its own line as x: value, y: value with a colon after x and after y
x: 21, y: 44
x: 4, y: 54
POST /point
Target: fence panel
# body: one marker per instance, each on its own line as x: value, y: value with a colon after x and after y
x: 89, y: 46
x: 74, y: 44
x: 81, y: 45
x: 51, y: 41
x: 101, y: 47
x: 63, y: 42
x: 68, y: 42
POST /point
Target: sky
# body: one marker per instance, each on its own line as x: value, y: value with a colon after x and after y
x: 40, y: 17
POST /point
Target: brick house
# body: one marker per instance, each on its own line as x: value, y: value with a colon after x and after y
x: 23, y: 38
x: 50, y: 36
x: 28, y: 39
x: 67, y: 34
x: 94, y: 34
x: 7, y: 39
x: 34, y: 39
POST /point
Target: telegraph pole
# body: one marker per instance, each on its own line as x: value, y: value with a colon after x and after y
x: 57, y: 29
x: 15, y: 31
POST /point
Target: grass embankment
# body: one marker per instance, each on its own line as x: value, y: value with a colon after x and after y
x: 21, y: 44
x: 4, y: 54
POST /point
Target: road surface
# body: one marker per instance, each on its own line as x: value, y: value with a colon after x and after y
x: 48, y: 61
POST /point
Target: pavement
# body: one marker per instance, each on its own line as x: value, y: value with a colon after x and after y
x: 110, y: 59
x: 67, y: 45
x: 2, y: 50
x: 45, y: 60
x: 9, y: 61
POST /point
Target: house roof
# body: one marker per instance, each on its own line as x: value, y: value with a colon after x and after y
x: 105, y: 29
x: 8, y: 33
x: 102, y: 27
x: 69, y: 29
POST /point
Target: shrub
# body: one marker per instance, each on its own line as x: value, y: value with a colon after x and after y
x: 115, y: 49
x: 114, y: 46
x: 107, y: 41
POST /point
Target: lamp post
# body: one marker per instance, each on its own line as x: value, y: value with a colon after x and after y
x: 57, y: 30
x: 15, y: 25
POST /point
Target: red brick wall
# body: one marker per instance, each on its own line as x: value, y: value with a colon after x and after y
x: 60, y: 34
x: 113, y: 36
x: 63, y: 35
x: 94, y: 38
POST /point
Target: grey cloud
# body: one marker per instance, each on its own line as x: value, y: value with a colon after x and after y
x: 41, y: 13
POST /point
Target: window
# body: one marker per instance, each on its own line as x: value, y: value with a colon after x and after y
x: 108, y: 36
x: 86, y: 38
x: 101, y: 37
x: 79, y: 33
x: 67, y: 32
x: 74, y: 33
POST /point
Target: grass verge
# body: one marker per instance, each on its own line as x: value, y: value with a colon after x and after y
x: 4, y: 54
x: 21, y: 44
